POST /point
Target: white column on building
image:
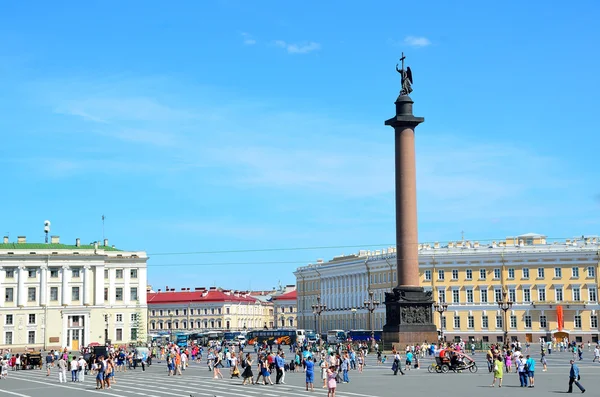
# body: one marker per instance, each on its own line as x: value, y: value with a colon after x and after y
x: 112, y: 279
x: 99, y: 285
x: 142, y: 281
x: 2, y: 275
x: 86, y: 287
x: 43, y: 285
x: 86, y: 329
x: 65, y: 318
x: 126, y: 286
x: 21, y: 290
x: 66, y: 277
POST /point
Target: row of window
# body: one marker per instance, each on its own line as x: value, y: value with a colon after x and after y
x: 512, y: 295
x: 31, y: 318
x: 8, y: 337
x: 206, y: 311
x: 75, y: 294
x: 75, y: 273
x: 543, y: 321
x: 541, y: 272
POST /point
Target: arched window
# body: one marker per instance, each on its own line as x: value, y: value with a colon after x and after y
x: 212, y: 323
x: 219, y: 324
x: 176, y: 324
x: 160, y: 325
x: 291, y: 322
x: 153, y: 325
x: 184, y: 324
x: 227, y: 324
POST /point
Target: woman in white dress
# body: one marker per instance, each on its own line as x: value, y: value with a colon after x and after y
x: 324, y: 367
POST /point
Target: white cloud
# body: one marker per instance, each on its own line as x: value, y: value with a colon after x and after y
x: 417, y: 41
x: 300, y: 48
x: 247, y: 39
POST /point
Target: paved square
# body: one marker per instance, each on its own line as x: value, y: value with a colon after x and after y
x: 375, y: 381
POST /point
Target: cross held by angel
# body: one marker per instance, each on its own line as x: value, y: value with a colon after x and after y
x: 406, y: 79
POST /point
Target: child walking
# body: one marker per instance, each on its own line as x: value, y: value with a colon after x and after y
x: 331, y: 382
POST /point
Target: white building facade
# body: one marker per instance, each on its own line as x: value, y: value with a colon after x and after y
x: 57, y: 295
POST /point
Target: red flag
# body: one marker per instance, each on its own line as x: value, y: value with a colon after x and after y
x: 560, y: 318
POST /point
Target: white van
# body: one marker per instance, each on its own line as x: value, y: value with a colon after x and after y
x: 335, y: 336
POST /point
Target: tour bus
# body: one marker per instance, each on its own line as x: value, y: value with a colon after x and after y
x: 335, y: 336
x: 360, y: 335
x: 311, y: 336
x: 230, y: 338
x: 276, y: 336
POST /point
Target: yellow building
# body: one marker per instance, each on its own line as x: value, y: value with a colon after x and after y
x: 543, y: 280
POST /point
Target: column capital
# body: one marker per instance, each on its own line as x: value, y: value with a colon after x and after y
x: 87, y: 267
x: 65, y: 267
x: 44, y: 267
x: 21, y: 267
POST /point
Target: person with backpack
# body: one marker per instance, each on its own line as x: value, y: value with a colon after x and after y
x: 246, y: 364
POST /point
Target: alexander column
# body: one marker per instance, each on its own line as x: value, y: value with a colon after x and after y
x: 409, y: 317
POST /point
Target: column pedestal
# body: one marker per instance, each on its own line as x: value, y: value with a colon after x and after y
x: 409, y: 318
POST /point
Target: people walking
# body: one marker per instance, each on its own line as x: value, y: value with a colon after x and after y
x: 498, y: 372
x: 62, y: 370
x: 49, y: 362
x: 81, y: 364
x: 530, y: 367
x: 247, y: 374
x: 574, y: 377
x: 521, y: 368
x: 74, y: 369
x: 310, y: 373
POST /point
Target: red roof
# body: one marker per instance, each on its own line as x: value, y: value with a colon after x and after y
x: 195, y: 296
x: 288, y: 296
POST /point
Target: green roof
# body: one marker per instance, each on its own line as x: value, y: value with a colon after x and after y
x: 42, y: 246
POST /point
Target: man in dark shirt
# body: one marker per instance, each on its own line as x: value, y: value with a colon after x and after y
x: 49, y: 362
x: 574, y: 378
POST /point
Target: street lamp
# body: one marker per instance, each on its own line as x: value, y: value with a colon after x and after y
x: 371, y: 304
x: 171, y: 327
x: 505, y: 304
x: 353, y: 310
x: 441, y: 308
x: 317, y: 310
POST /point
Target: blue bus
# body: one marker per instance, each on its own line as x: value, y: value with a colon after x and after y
x: 362, y: 335
x: 181, y: 340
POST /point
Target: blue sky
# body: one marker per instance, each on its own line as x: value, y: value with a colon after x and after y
x: 233, y: 125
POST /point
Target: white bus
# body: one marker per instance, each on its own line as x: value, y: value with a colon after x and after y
x: 335, y: 336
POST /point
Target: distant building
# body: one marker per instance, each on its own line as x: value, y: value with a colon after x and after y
x: 553, y: 287
x: 58, y: 295
x: 285, y: 308
x: 205, y: 309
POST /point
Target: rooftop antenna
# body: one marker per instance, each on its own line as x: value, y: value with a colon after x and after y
x: 462, y: 236
x: 103, y: 217
x: 46, y: 230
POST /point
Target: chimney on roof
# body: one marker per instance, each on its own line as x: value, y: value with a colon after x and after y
x: 106, y: 242
x: 167, y: 288
x: 77, y: 242
x: 21, y: 240
x: 5, y: 239
x: 55, y: 239
x: 159, y: 290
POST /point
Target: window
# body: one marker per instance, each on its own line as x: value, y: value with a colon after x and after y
x: 8, y: 295
x: 527, y: 321
x: 577, y: 321
x: 469, y: 274
x: 177, y: 312
x: 442, y: 296
x: 119, y: 334
x: 10, y: 273
x: 471, y: 322
x: 454, y: 274
x: 470, y: 295
x: 185, y: 312
x: 497, y: 274
x: 444, y: 322
x: 53, y: 273
x: 511, y: 273
x: 133, y: 273
x: 192, y: 312
x: 133, y: 317
x: 456, y: 322
x: 205, y: 311
x: 427, y: 275
x: 592, y: 294
x: 219, y: 309
x: 591, y: 271
x: 119, y: 318
x: 482, y: 274
x: 557, y: 272
x: 106, y: 274
x: 133, y: 333
x: 134, y: 293
x: 119, y: 294
x: 455, y: 296
x: 525, y: 273
x: 31, y: 294
x: 119, y: 273
x: 31, y: 319
x: 559, y: 294
x: 526, y: 295
x: 594, y: 321
x: 75, y: 293
x: 31, y: 337
x: 54, y: 294
x: 227, y: 310
x: 576, y: 294
x: 483, y: 294
x: 542, y: 294
x: 575, y: 272
x: 440, y: 274
x: 8, y: 339
x: 484, y: 322
x: 512, y: 295
x: 513, y: 321
x: 498, y: 294
x: 543, y: 322
x: 31, y: 273
x: 212, y: 310
x: 161, y: 312
x: 75, y: 272
x: 498, y: 321
x: 540, y: 272
x: 105, y: 294
x: 9, y: 319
